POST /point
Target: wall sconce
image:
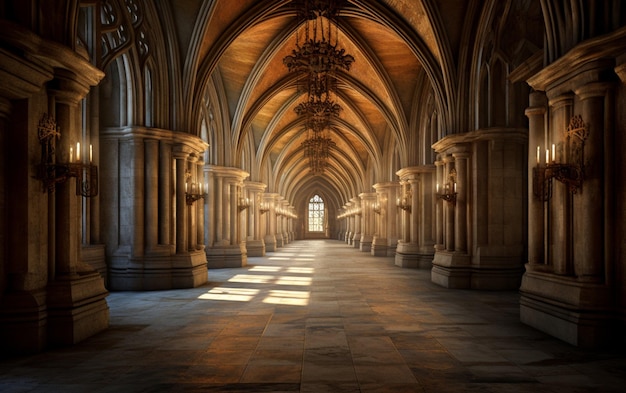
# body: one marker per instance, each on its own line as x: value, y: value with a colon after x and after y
x: 243, y: 203
x: 403, y: 203
x: 50, y: 172
x: 193, y: 191
x: 569, y: 173
x: 376, y: 208
x: 449, y: 189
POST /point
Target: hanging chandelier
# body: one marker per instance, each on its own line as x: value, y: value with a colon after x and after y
x: 315, y: 62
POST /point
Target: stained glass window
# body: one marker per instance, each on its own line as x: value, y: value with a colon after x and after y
x: 316, y: 214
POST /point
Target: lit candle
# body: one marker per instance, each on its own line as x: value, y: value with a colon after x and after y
x: 200, y: 188
x: 77, y: 151
x: 437, y: 188
x: 71, y: 154
x: 553, y: 156
x: 90, y: 153
x: 185, y: 187
x: 455, y: 187
x: 538, y: 151
x: 547, y: 156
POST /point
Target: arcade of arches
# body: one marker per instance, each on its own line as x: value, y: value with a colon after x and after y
x: 145, y: 143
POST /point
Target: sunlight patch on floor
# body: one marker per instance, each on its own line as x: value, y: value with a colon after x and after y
x: 265, y: 269
x: 303, y: 270
x: 292, y: 298
x: 230, y: 294
x: 252, y: 278
x: 293, y: 280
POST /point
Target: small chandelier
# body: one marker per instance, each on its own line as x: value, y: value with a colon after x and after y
x: 315, y: 61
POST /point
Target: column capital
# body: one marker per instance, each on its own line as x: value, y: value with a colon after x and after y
x: 460, y: 155
x: 367, y: 196
x: 561, y: 100
x: 415, y: 171
x: 254, y: 186
x: 593, y: 89
x: 535, y: 111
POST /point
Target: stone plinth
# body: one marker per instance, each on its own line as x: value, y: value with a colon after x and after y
x: 365, y: 243
x: 77, y: 308
x: 155, y: 272
x: 573, y: 311
x: 227, y: 256
x: 255, y: 248
x: 23, y: 320
x: 379, y: 247
x: 410, y: 255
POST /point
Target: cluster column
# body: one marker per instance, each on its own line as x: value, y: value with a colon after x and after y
x: 270, y: 222
x: 227, y: 247
x: 416, y: 248
x: 255, y: 244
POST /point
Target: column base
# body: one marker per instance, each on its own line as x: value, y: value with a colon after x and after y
x: 229, y: 256
x: 279, y: 240
x: 270, y: 243
x: 379, y: 247
x: 356, y: 240
x: 255, y: 248
x: 77, y: 308
x: 392, y: 244
x: 158, y: 271
x: 451, y: 270
x: 365, y: 244
x: 456, y: 270
x: 94, y: 255
x: 23, y: 322
x: 573, y: 311
x: 410, y: 255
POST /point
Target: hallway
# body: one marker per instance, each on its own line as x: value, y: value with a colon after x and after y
x: 316, y: 316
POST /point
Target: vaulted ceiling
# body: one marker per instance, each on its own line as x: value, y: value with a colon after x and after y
x: 237, y: 48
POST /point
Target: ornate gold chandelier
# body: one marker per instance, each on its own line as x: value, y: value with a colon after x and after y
x: 316, y: 61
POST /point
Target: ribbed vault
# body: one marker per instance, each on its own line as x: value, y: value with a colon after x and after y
x: 241, y: 46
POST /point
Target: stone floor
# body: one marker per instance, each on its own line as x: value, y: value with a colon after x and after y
x: 317, y: 316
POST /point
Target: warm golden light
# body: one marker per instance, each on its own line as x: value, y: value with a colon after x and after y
x: 290, y: 298
x: 252, y: 278
x: 293, y: 280
x: 265, y: 269
x: 230, y: 294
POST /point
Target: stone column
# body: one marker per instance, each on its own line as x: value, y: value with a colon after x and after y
x: 164, y: 191
x: 356, y: 238
x: 270, y: 222
x: 460, y: 239
x: 449, y: 213
x: 412, y: 215
x: 559, y: 208
x: 181, y: 206
x: 380, y: 243
x: 76, y: 305
x: 228, y: 249
x: 349, y: 223
x: 285, y: 222
x: 536, y: 129
x: 416, y: 250
x: 439, y: 207
x: 254, y: 242
x: 151, y: 195
x: 200, y: 205
x: 589, y: 207
x: 367, y: 227
x: 192, y: 210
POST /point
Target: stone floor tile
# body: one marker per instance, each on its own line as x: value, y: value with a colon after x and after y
x: 317, y: 316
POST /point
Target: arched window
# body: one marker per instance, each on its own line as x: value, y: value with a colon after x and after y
x: 316, y: 214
